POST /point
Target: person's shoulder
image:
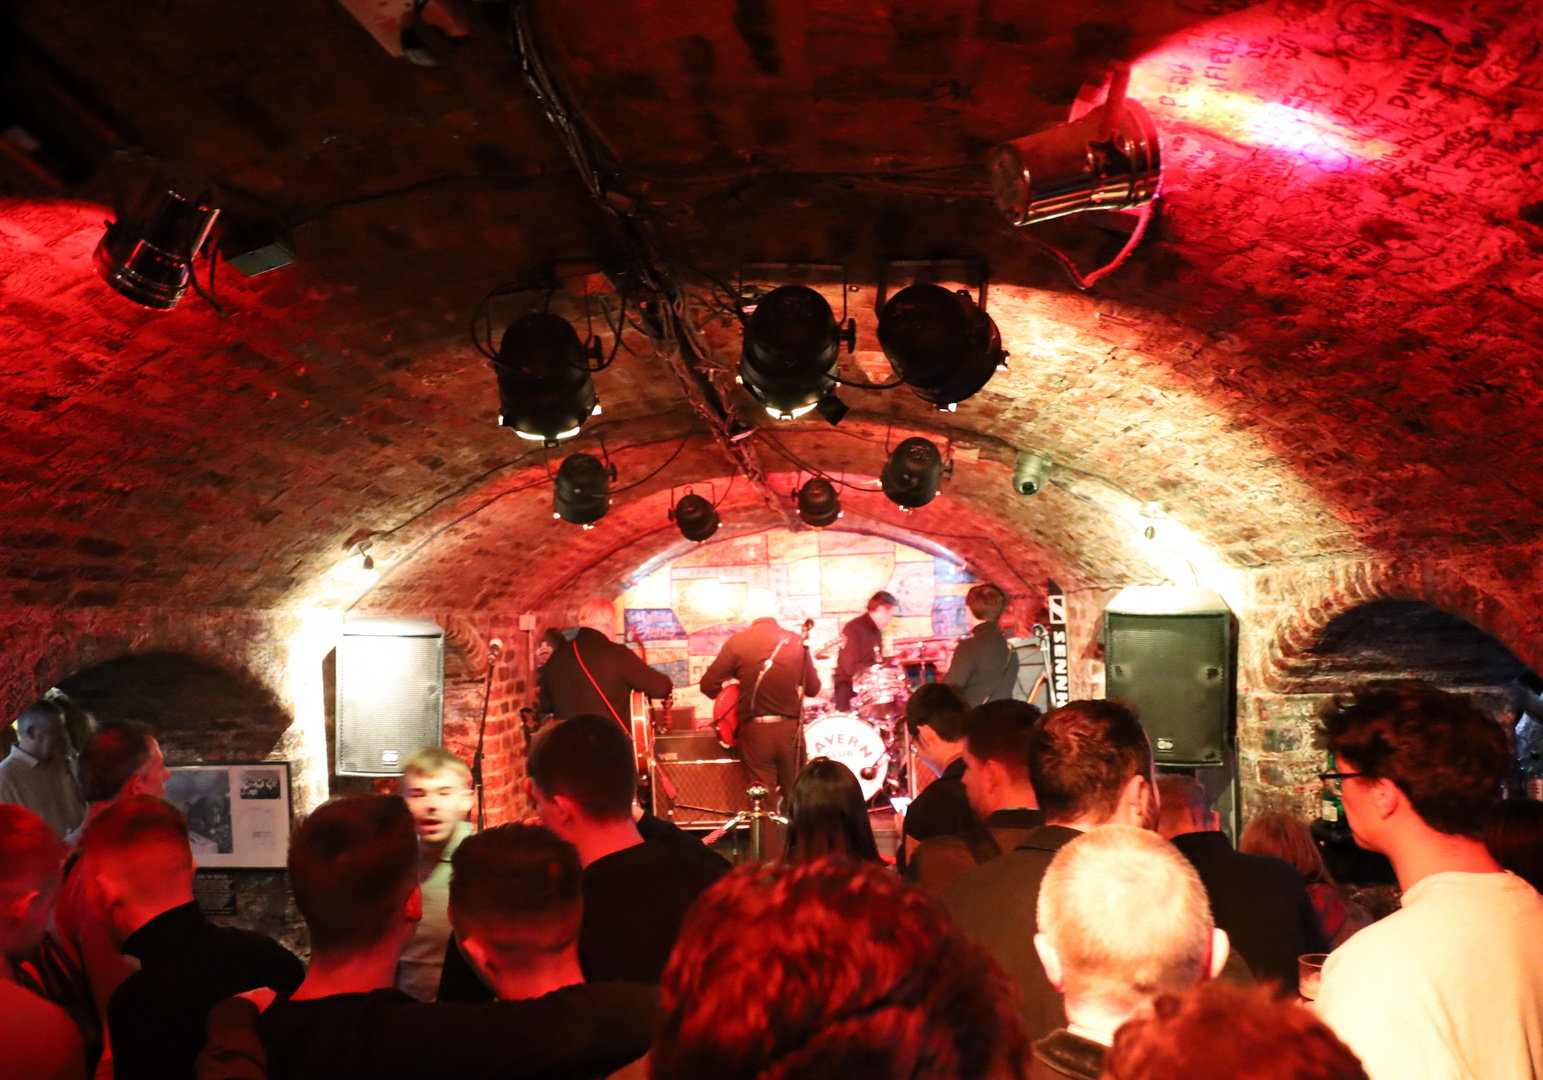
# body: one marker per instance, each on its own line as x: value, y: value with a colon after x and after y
x: 1013, y: 873
x: 40, y: 1040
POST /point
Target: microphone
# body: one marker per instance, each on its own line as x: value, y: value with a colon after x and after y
x: 869, y: 772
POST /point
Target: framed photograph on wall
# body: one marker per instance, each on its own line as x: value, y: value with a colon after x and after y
x: 238, y: 814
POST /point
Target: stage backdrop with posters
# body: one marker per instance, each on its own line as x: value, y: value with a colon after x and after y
x: 681, y: 614
x: 238, y: 815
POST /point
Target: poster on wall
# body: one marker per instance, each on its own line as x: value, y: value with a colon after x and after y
x: 238, y: 815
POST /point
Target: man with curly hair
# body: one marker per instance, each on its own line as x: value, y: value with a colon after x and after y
x: 1450, y: 986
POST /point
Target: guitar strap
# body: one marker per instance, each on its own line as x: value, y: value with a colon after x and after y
x: 770, y: 660
x: 609, y: 707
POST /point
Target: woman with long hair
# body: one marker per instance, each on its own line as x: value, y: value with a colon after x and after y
x: 827, y: 815
x: 1284, y: 836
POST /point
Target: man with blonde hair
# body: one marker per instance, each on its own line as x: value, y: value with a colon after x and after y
x: 1123, y: 918
x: 775, y: 674
x: 590, y: 673
x: 437, y: 787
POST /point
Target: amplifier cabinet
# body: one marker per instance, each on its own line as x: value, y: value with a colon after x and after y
x: 700, y: 793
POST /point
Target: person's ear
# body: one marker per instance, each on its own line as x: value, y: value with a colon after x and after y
x: 565, y: 811
x: 477, y: 955
x: 1136, y: 795
x: 20, y: 907
x: 413, y: 908
x: 1221, y: 947
x: 1386, y: 797
x: 1051, y: 961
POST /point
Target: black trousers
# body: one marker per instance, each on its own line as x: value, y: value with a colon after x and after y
x: 770, y: 756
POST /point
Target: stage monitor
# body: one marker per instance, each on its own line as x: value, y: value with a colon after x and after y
x: 390, y: 693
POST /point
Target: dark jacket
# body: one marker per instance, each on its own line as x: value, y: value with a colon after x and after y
x: 862, y: 646
x: 742, y: 657
x: 156, y: 1018
x: 1063, y: 1054
x: 937, y: 862
x: 1262, y: 904
x: 995, y: 904
x: 567, y: 692
x: 943, y: 807
x: 985, y: 667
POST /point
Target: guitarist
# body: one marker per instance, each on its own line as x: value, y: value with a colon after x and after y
x: 775, y: 673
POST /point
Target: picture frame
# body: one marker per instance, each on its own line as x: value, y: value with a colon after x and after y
x: 238, y: 813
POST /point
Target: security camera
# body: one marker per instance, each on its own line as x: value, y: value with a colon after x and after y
x: 1030, y: 472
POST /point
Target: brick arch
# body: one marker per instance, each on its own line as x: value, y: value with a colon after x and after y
x: 1282, y: 663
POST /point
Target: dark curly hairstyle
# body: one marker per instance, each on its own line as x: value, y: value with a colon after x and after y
x: 1223, y: 1032
x: 1081, y: 755
x: 1441, y: 750
x: 855, y: 974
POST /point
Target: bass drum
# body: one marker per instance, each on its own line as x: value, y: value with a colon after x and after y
x: 853, y: 742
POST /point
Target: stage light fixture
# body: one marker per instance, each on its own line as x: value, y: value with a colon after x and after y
x: 695, y: 517
x: 819, y: 504
x: 943, y: 345
x: 792, y: 340
x: 1109, y: 159
x: 545, y: 392
x: 147, y: 253
x: 913, y: 473
x: 581, y: 494
x: 1031, y: 472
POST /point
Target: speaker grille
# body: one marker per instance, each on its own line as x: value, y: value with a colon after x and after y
x: 390, y: 701
x: 704, y: 792
x: 1177, y: 670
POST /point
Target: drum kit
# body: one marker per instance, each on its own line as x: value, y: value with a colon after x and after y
x: 872, y: 741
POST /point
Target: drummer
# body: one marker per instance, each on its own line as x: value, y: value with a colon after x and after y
x: 862, y: 646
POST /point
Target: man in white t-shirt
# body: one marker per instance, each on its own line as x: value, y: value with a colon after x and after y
x: 1451, y: 986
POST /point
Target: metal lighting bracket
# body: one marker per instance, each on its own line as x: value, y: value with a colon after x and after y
x: 976, y: 274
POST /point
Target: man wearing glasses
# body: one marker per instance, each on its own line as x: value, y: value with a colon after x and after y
x: 1450, y: 986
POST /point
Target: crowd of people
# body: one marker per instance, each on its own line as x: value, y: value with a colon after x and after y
x: 1060, y: 909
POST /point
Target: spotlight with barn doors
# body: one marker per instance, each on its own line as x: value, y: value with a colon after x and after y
x: 940, y: 342
x: 792, y: 341
x: 913, y: 474
x: 581, y: 492
x: 818, y: 503
x: 695, y: 517
x: 545, y: 392
x: 1109, y: 159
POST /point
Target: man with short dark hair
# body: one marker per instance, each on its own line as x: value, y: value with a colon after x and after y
x: 137, y: 858
x: 985, y: 666
x: 996, y: 780
x: 438, y: 789
x: 862, y: 646
x: 36, y: 773
x: 38, y: 1041
x: 935, y: 716
x: 582, y: 781
x: 353, y: 868
x: 1123, y: 918
x: 1260, y: 901
x: 1450, y: 985
x: 517, y: 904
x: 1090, y: 764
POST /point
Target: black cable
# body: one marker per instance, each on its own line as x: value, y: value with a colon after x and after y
x: 802, y: 464
x: 482, y: 727
x: 660, y: 469
x: 733, y: 476
x: 869, y: 386
x: 427, y: 184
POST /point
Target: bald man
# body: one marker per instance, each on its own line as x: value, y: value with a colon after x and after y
x: 590, y: 673
x: 36, y: 773
x: 775, y: 673
x: 136, y: 855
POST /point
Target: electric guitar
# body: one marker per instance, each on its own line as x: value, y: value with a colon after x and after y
x: 726, y: 704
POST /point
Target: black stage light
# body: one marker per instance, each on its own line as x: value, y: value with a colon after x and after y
x: 581, y: 493
x: 791, y: 343
x: 912, y: 474
x: 695, y: 517
x: 940, y: 343
x: 818, y: 503
x: 545, y: 392
x: 147, y: 253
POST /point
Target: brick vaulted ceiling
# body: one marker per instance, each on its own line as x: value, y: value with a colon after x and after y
x: 1328, y: 343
